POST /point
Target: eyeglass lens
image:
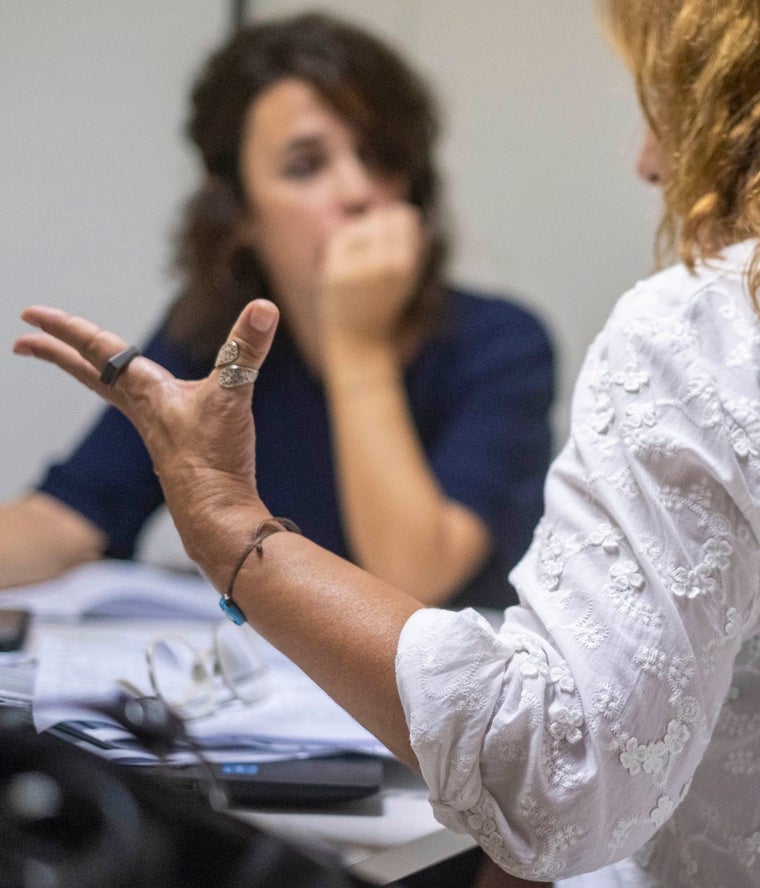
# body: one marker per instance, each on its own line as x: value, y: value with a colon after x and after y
x: 180, y: 677
x: 241, y: 663
x: 183, y: 678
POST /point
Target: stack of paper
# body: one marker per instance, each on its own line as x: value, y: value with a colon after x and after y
x: 118, y: 589
x: 87, y: 662
x: 74, y: 658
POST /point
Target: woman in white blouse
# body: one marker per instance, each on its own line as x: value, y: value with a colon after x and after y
x: 617, y: 710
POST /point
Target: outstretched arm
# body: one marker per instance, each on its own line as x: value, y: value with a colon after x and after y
x: 332, y: 619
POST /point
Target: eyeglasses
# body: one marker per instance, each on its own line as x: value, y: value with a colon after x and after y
x: 194, y: 683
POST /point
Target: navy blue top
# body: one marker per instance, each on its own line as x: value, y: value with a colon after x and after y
x: 479, y: 393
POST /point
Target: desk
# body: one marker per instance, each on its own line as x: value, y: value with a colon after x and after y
x: 383, y: 838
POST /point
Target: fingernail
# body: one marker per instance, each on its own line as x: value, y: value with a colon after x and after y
x: 263, y: 316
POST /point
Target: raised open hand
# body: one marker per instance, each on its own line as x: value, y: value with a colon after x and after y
x: 200, y: 434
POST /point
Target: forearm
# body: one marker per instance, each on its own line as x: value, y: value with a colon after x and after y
x: 342, y: 629
x: 41, y: 537
x: 336, y: 622
x: 400, y: 524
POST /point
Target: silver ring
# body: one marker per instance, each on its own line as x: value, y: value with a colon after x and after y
x: 227, y: 354
x: 233, y: 375
x: 118, y: 363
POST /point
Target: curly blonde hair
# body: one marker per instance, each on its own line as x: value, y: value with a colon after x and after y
x: 696, y: 65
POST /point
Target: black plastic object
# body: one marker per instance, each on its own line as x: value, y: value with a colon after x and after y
x: 70, y: 818
x: 13, y: 626
x: 296, y: 783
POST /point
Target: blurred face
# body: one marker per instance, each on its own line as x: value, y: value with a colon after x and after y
x: 649, y: 166
x: 304, y: 176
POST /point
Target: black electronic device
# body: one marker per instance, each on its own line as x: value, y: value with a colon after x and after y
x: 68, y: 817
x: 296, y: 782
x: 303, y: 782
x: 13, y: 626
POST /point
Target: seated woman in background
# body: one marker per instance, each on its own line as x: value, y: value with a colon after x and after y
x: 618, y: 703
x: 401, y: 423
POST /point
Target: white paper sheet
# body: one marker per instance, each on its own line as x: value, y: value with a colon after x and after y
x: 86, y: 662
x: 118, y: 589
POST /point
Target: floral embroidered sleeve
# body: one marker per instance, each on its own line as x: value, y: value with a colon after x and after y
x: 567, y: 738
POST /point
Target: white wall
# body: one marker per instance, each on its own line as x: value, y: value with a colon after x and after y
x: 541, y: 136
x: 93, y: 169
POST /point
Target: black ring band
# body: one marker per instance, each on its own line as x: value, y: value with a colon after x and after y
x: 117, y: 363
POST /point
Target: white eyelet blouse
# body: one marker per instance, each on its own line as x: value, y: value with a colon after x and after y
x: 617, y: 710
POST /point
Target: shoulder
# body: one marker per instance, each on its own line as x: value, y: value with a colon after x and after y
x: 496, y: 324
x: 677, y: 318
x: 670, y: 390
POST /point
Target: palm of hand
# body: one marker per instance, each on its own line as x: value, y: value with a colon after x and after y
x: 200, y: 436
x: 201, y: 439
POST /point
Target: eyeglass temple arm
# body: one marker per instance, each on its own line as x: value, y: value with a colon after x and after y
x: 158, y: 727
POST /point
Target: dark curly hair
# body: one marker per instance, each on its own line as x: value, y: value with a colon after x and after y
x: 369, y: 86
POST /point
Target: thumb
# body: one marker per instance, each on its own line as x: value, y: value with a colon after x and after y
x: 242, y: 355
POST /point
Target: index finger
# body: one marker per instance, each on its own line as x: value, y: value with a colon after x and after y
x: 76, y: 345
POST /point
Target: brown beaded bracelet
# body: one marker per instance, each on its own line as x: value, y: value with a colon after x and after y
x: 265, y: 529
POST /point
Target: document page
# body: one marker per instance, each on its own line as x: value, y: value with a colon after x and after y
x: 113, y: 588
x: 88, y: 663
